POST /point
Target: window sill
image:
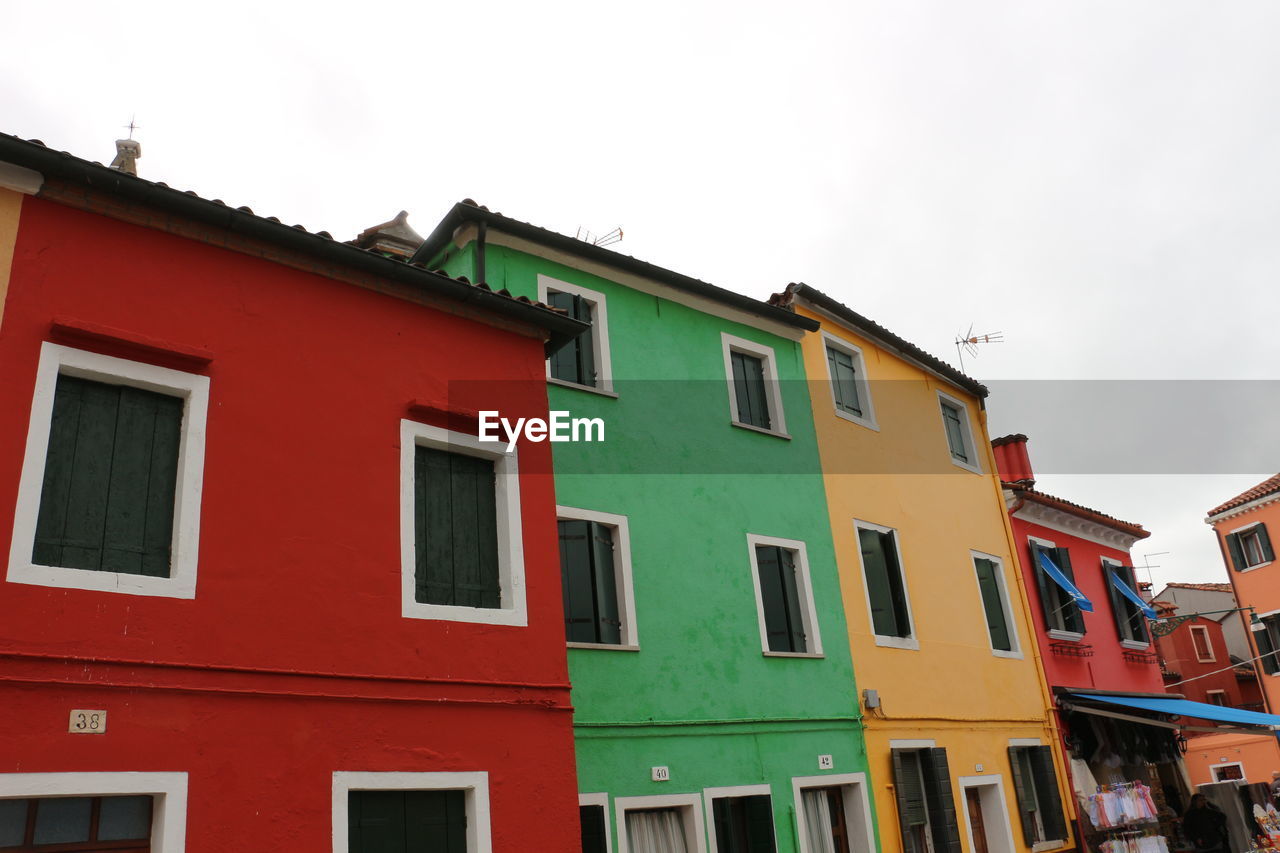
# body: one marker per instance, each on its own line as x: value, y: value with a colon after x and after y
x: 761, y: 430
x: 1258, y: 566
x: 971, y: 468
x: 860, y: 420
x: 455, y: 613
x: 61, y: 577
x: 606, y: 391
x: 610, y: 647
x: 1206, y: 660
x: 1068, y: 636
x: 1040, y: 846
x: 811, y: 655
x: 909, y: 643
x: 1007, y: 655
x: 1135, y: 645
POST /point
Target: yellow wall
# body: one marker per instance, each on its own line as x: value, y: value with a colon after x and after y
x: 953, y: 689
x: 10, y: 210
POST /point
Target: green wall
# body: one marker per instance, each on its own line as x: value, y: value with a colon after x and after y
x: 699, y: 696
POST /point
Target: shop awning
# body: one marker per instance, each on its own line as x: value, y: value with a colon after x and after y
x: 1063, y: 581
x: 1185, y: 708
x: 1124, y: 589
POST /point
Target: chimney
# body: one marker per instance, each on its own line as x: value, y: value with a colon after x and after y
x: 1012, y: 460
x: 391, y: 238
x: 127, y: 153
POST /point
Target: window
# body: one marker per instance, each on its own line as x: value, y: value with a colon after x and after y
x: 1232, y: 772
x: 850, y: 391
x: 1202, y: 644
x: 754, y: 399
x: 461, y: 549
x: 1039, y: 803
x: 660, y: 824
x: 740, y: 819
x: 93, y: 812
x: 1061, y: 613
x: 832, y: 814
x: 886, y: 586
x: 1249, y: 547
x: 926, y: 807
x: 584, y: 361
x: 955, y: 424
x: 407, y: 812
x: 1131, y: 624
x: 1217, y: 697
x: 995, y: 605
x: 1267, y: 636
x: 109, y: 498
x: 592, y: 815
x: 595, y: 574
x: 784, y: 596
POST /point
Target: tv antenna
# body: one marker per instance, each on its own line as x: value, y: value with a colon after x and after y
x: 968, y: 342
x: 608, y: 239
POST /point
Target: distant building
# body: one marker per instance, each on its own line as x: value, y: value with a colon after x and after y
x: 1206, y: 659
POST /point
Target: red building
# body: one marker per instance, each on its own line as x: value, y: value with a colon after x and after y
x: 265, y: 588
x: 1197, y: 660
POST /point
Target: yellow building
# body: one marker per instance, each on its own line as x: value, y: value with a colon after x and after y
x: 962, y: 751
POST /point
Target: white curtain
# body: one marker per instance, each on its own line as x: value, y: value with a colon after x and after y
x: 817, y: 821
x: 656, y: 831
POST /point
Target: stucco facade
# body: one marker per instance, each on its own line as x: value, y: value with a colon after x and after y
x: 943, y: 681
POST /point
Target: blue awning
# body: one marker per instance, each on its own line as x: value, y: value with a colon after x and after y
x: 1063, y: 581
x: 1128, y: 593
x: 1186, y: 708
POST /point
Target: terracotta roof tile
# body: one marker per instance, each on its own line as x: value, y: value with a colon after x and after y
x: 1209, y: 587
x: 1271, y: 485
x: 1079, y: 510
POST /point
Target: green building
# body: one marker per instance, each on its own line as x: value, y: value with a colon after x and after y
x: 715, y: 707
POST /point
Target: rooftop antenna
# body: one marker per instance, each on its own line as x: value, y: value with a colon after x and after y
x: 968, y: 342
x: 1148, y: 565
x: 132, y: 125
x: 608, y: 239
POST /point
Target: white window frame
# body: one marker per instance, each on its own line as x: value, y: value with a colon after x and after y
x: 510, y: 537
x: 599, y: 334
x: 1208, y: 644
x: 168, y: 792
x: 912, y: 640
x: 804, y: 588
x: 193, y: 389
x: 600, y: 799
x: 1016, y: 652
x: 1244, y: 528
x: 1005, y: 832
x: 1221, y: 693
x: 1213, y: 776
x: 474, y: 784
x: 690, y: 806
x: 1054, y: 633
x: 709, y: 795
x: 731, y: 344
x: 622, y: 572
x: 966, y: 425
x: 857, y: 807
x: 863, y: 384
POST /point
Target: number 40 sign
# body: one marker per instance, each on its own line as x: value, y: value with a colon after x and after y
x: 86, y: 722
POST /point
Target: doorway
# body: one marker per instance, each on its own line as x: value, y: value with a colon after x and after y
x: 986, y: 817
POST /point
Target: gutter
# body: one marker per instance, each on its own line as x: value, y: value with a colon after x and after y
x: 560, y: 329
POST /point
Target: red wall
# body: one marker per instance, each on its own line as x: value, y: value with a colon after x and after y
x: 1107, y: 669
x: 299, y: 562
x: 1180, y: 657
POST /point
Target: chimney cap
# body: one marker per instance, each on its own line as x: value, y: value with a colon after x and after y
x: 127, y: 153
x: 1015, y: 438
x: 395, y: 237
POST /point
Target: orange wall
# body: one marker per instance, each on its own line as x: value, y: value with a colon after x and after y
x: 1259, y: 754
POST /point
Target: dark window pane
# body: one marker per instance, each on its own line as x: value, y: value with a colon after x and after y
x: 123, y: 818
x: 784, y: 625
x: 456, y: 529
x: 844, y: 381
x: 884, y: 584
x: 575, y: 361
x: 993, y: 604
x: 955, y: 432
x: 594, y: 836
x: 749, y: 390
x: 744, y: 824
x: 13, y: 822
x: 63, y: 819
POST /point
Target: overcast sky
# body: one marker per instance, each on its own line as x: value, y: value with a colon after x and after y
x: 1099, y: 181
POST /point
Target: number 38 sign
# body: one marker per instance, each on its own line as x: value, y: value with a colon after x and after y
x: 85, y: 722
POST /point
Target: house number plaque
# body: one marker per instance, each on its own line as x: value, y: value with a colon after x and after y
x: 660, y: 774
x: 87, y: 722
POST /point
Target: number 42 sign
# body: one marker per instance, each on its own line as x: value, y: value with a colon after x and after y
x: 86, y: 722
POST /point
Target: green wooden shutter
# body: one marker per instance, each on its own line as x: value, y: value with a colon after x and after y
x: 941, y: 803
x: 1048, y: 800
x: 435, y: 821
x: 759, y: 822
x: 749, y: 390
x: 909, y: 793
x: 576, y: 581
x: 773, y: 597
x: 1236, y: 551
x: 1137, y: 621
x: 110, y: 480
x: 1264, y: 541
x: 375, y: 822
x: 608, y: 624
x: 1266, y: 648
x: 1119, y: 610
x: 993, y: 604
x: 791, y: 587
x: 1045, y: 586
x: 456, y: 527
x: 594, y: 837
x: 844, y: 381
x: 1023, y: 786
x: 1073, y: 616
x: 884, y: 584
x: 566, y: 362
x: 955, y: 434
